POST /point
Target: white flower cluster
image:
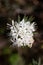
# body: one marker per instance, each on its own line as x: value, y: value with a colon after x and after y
x: 22, y: 33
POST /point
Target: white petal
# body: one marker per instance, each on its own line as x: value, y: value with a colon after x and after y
x: 12, y: 22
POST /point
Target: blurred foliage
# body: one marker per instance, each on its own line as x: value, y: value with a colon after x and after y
x: 6, y: 50
x: 37, y: 62
x: 1, y: 30
x: 15, y: 59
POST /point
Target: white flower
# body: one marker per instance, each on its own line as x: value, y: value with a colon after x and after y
x: 22, y: 33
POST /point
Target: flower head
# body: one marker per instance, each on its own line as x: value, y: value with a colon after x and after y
x: 22, y: 33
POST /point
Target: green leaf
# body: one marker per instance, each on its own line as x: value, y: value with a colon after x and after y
x: 31, y: 18
x: 25, y: 18
x: 18, y: 18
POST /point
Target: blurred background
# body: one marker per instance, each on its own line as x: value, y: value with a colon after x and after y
x: 11, y: 9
